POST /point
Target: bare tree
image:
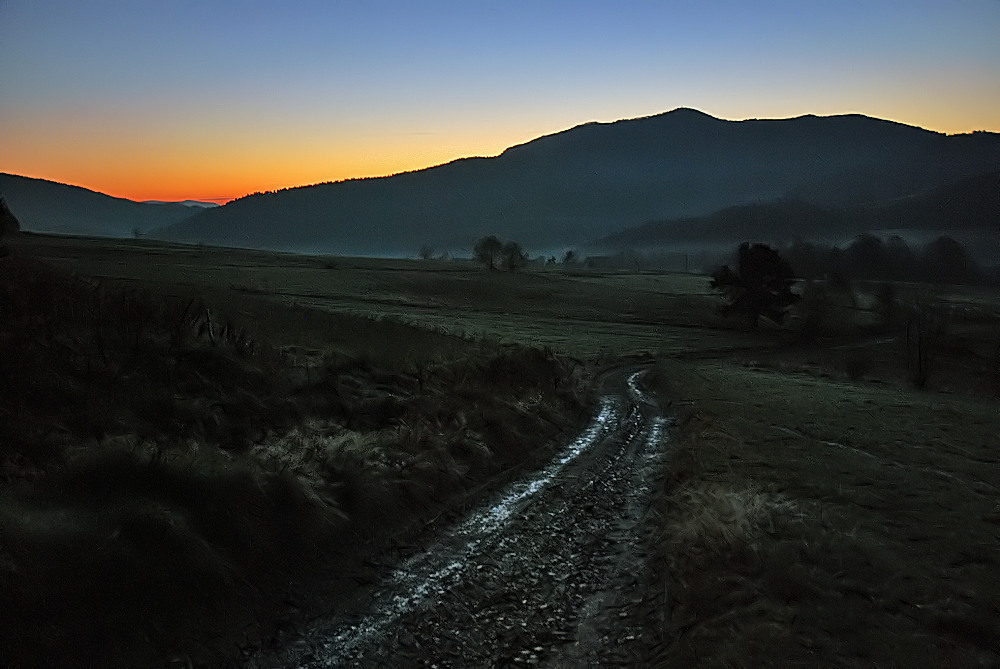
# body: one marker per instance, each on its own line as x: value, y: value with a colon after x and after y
x: 488, y: 251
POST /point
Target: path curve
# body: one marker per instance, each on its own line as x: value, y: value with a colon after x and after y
x: 541, y: 574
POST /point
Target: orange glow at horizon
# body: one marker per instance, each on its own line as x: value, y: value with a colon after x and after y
x: 215, y: 163
x: 225, y: 165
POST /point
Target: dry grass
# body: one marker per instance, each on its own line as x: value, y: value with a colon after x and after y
x: 714, y: 518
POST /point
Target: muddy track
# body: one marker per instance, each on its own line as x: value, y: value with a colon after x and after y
x: 541, y: 574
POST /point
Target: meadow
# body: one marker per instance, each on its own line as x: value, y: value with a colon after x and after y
x: 817, y: 509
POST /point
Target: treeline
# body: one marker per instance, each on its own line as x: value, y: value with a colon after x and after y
x: 942, y: 260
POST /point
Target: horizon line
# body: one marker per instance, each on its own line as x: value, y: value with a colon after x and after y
x: 226, y: 199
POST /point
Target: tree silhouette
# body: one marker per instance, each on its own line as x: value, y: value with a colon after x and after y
x: 488, y: 251
x: 945, y: 261
x: 8, y: 222
x: 760, y: 287
x: 513, y: 256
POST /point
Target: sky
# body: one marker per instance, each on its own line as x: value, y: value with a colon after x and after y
x: 213, y: 100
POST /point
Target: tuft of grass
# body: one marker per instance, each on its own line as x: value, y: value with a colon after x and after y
x: 716, y: 519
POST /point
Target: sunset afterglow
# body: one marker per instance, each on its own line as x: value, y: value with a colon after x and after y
x: 212, y: 101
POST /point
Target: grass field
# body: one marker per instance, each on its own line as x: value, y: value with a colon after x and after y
x: 819, y: 521
x: 819, y: 510
x: 580, y: 313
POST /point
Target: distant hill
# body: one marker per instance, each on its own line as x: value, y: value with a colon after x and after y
x: 971, y: 205
x: 47, y: 206
x: 196, y: 204
x: 599, y: 178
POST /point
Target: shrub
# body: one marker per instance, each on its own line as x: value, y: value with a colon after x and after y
x: 761, y: 285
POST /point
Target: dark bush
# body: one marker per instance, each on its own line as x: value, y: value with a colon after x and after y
x: 761, y: 285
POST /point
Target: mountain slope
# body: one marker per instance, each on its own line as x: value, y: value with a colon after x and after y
x: 47, y: 206
x: 597, y: 178
x: 972, y: 205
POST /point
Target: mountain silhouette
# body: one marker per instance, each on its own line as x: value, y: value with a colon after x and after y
x: 598, y: 178
x: 51, y: 207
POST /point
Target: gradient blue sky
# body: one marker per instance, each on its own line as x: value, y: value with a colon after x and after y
x: 175, y: 100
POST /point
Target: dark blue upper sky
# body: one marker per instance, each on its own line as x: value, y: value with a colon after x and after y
x: 172, y: 100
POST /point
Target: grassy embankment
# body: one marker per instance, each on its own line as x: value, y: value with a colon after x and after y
x: 170, y: 476
x: 820, y: 511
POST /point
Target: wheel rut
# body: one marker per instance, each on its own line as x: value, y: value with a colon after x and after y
x: 542, y: 574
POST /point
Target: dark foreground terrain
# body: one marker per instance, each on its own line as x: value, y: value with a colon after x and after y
x: 227, y: 458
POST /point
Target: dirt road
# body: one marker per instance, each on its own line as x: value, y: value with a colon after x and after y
x: 549, y: 572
